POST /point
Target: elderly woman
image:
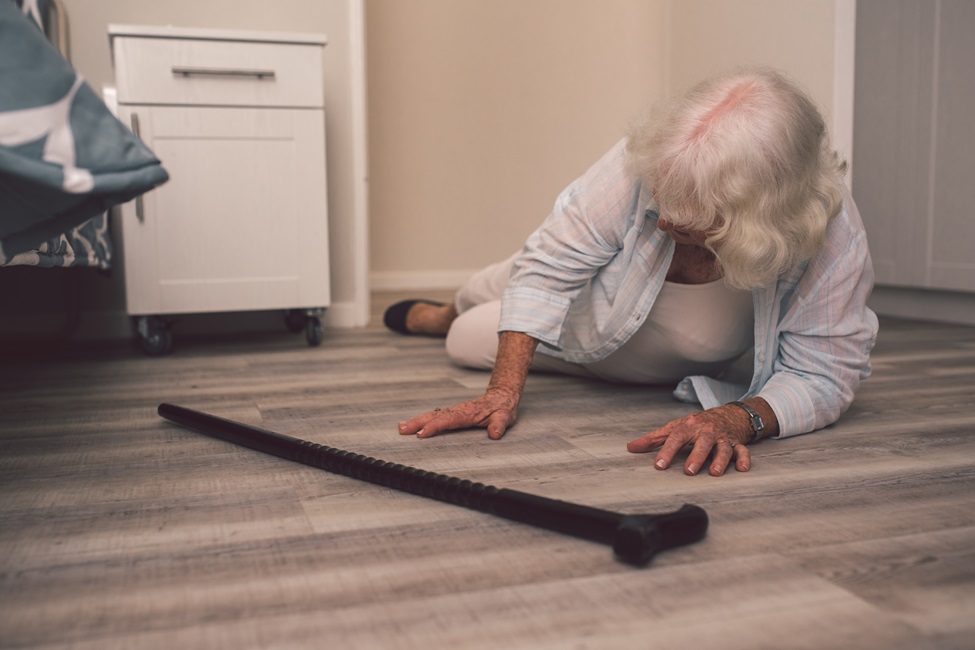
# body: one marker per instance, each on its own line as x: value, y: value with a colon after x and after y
x: 721, y: 224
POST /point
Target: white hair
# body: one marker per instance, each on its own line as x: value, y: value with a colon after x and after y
x: 745, y: 157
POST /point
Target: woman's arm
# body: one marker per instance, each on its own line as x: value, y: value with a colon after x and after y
x: 825, y: 336
x: 823, y: 342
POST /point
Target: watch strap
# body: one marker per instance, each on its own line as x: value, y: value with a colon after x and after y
x: 754, y: 419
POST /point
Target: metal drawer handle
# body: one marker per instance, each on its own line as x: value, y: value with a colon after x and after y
x: 222, y: 72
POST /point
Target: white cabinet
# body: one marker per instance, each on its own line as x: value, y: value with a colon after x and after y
x: 237, y: 119
x: 914, y: 141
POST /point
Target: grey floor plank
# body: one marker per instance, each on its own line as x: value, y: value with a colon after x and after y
x: 120, y: 530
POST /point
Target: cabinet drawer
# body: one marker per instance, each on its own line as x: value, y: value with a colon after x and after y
x: 217, y: 72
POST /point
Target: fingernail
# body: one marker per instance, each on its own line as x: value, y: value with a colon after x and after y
x: 692, y: 468
x: 661, y: 464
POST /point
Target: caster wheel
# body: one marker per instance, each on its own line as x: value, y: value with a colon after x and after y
x: 155, y: 337
x: 294, y: 320
x: 314, y: 331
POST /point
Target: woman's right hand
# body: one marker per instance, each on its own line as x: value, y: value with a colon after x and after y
x: 495, y: 411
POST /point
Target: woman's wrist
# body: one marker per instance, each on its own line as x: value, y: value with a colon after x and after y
x: 759, y: 418
x: 515, y: 353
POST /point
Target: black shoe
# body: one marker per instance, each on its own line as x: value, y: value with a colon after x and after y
x: 395, y: 316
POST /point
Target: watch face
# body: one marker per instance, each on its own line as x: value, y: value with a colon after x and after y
x: 757, y: 423
x: 754, y: 419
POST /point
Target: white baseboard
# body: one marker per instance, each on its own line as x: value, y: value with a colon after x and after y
x: 924, y: 304
x: 418, y: 280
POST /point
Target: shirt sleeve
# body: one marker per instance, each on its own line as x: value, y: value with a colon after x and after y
x: 584, y: 231
x: 824, y: 337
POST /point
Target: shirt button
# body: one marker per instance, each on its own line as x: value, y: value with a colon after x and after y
x: 761, y: 356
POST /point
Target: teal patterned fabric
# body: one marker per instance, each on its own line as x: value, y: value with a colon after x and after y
x: 64, y: 158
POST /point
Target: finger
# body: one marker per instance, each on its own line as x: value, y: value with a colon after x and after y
x: 723, y: 452
x: 411, y: 426
x: 497, y: 425
x: 461, y: 416
x: 671, y: 447
x: 442, y: 420
x: 648, y: 442
x: 743, y: 458
x: 699, y: 455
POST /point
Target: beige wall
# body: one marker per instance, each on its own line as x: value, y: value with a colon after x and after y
x: 481, y: 112
x: 802, y: 37
x: 795, y: 35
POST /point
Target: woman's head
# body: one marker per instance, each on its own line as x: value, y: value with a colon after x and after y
x: 746, y: 158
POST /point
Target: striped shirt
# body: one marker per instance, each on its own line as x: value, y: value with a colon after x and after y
x: 587, y: 278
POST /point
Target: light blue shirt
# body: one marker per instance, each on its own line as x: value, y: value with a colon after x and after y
x: 587, y: 278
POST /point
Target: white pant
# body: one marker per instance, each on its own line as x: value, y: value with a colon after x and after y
x: 669, y: 346
x: 472, y: 341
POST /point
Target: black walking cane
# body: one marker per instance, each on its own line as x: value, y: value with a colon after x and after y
x: 634, y: 538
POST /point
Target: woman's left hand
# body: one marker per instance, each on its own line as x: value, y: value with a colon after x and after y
x: 720, y: 433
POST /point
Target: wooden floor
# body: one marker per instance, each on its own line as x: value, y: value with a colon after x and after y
x: 121, y: 530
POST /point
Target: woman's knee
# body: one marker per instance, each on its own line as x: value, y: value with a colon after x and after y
x: 472, y: 341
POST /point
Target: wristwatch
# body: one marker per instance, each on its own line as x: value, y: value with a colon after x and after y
x: 754, y: 419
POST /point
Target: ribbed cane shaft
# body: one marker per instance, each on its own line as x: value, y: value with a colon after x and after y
x: 634, y: 537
